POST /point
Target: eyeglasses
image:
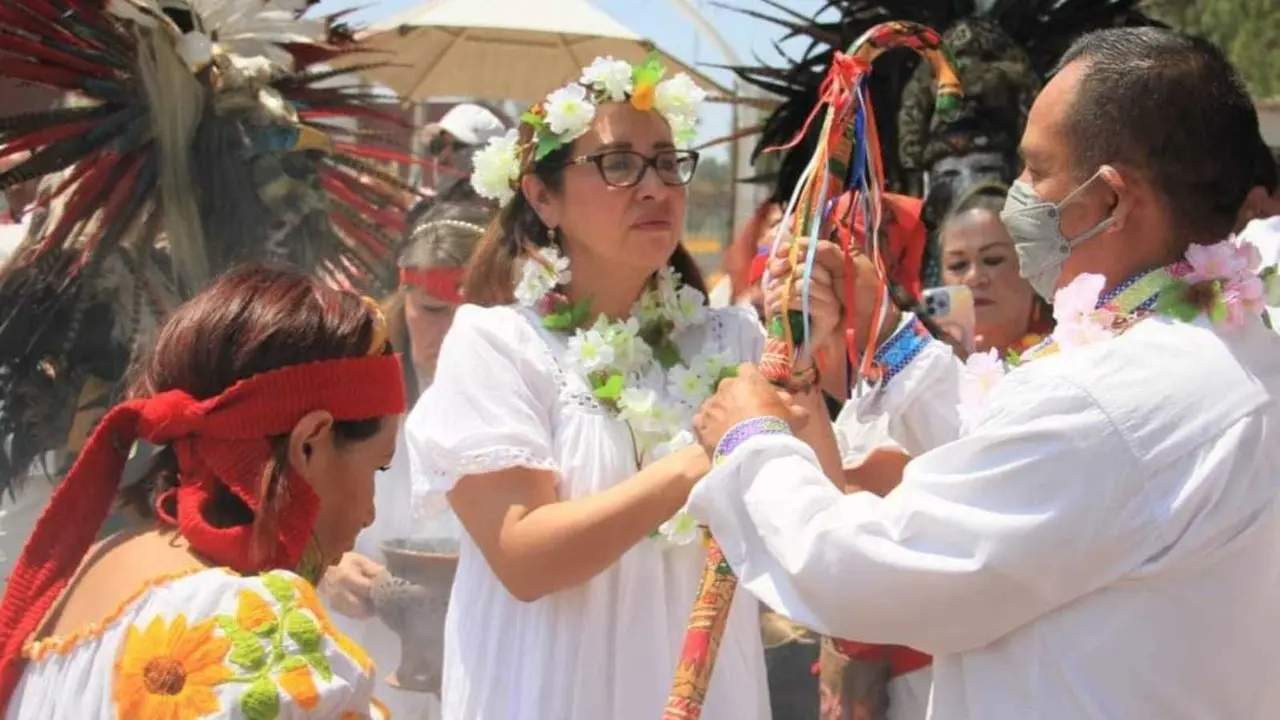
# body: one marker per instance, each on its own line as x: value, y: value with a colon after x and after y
x: 626, y: 168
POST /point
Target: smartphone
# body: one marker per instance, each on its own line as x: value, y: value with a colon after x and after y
x: 951, y: 307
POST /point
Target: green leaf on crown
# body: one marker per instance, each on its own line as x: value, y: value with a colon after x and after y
x: 547, y: 144
x: 650, y: 71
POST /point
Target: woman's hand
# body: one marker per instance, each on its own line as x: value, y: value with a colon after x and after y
x: 348, y: 586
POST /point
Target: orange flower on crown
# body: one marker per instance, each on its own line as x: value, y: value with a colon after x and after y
x: 642, y: 96
x: 170, y: 670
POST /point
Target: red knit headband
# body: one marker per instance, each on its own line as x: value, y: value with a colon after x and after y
x: 441, y: 283
x: 222, y: 441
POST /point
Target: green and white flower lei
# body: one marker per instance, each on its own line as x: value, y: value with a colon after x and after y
x: 634, y: 366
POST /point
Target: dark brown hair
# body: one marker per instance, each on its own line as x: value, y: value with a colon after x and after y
x: 518, y: 230
x: 253, y: 319
x: 1171, y: 107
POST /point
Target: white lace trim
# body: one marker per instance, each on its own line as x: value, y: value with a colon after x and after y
x: 442, y: 469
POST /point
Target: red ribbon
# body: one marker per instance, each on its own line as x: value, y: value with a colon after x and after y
x: 442, y: 283
x: 837, y: 87
x: 222, y: 441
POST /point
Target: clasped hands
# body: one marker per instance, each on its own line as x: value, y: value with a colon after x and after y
x: 750, y: 395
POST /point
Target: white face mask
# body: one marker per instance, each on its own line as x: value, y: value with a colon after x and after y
x: 1034, y: 225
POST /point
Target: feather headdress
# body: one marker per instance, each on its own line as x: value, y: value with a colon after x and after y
x: 196, y: 134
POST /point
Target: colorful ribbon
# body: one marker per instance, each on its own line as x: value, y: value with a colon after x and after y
x: 847, y: 160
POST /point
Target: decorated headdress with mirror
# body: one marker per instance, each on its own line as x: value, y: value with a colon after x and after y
x: 566, y: 115
x: 195, y: 134
x: 1003, y: 50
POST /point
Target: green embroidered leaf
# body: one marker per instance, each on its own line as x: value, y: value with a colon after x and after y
x: 279, y: 588
x: 1013, y: 358
x: 302, y: 630
x: 247, y: 651
x: 260, y: 700
x: 667, y: 354
x: 547, y: 144
x: 293, y: 662
x: 266, y: 629
x: 320, y: 664
x: 608, y: 389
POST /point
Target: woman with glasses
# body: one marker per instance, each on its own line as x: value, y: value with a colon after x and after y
x: 559, y: 422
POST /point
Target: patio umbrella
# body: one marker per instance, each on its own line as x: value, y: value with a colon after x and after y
x: 501, y: 49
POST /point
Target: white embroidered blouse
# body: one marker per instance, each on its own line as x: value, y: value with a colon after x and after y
x: 605, y: 649
x: 205, y: 644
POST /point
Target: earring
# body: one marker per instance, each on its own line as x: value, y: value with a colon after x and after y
x: 551, y: 234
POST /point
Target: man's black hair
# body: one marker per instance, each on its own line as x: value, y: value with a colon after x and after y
x: 1172, y: 108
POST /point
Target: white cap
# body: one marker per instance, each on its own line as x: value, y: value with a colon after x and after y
x: 471, y: 124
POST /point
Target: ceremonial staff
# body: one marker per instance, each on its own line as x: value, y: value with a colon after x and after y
x: 847, y: 160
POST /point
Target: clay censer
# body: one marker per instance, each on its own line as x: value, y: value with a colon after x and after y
x: 412, y: 600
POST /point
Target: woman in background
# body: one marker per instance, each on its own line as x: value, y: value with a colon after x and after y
x: 978, y: 252
x: 432, y: 266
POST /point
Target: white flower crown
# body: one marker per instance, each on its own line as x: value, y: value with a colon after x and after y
x: 566, y: 114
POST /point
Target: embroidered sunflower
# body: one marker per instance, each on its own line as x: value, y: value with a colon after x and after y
x: 309, y: 600
x: 170, y: 670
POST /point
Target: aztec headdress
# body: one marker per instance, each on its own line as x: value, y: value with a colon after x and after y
x: 196, y: 134
x: 1003, y: 52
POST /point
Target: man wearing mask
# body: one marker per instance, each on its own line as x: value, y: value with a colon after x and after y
x: 453, y: 141
x: 1099, y: 538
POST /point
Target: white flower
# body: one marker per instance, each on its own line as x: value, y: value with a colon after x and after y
x: 495, y: 168
x: 540, y: 275
x: 569, y: 112
x: 612, y: 77
x: 688, y: 385
x: 682, y: 529
x: 690, y: 307
x: 684, y: 129
x: 678, y: 97
x: 638, y: 407
x: 589, y: 351
x: 710, y: 365
x: 648, y: 309
x: 629, y: 351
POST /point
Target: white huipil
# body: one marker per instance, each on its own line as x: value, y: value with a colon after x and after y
x: 1102, y: 542
x: 607, y: 648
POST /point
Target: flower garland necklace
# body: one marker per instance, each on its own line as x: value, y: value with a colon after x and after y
x: 633, y: 366
x: 1222, y: 281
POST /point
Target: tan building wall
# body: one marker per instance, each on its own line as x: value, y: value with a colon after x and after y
x: 1269, y: 119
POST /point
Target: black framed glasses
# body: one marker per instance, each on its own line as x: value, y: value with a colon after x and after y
x: 626, y: 168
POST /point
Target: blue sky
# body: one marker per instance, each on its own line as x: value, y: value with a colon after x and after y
x: 665, y: 25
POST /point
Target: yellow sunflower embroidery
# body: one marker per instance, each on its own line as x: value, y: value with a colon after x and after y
x: 300, y: 686
x: 169, y: 670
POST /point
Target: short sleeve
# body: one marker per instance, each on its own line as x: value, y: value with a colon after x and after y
x: 254, y: 647
x: 490, y: 405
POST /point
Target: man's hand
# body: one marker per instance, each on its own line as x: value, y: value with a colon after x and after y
x: 349, y: 584
x: 828, y: 293
x: 740, y: 398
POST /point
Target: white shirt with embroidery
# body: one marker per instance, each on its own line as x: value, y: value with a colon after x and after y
x: 607, y: 648
x: 1102, y: 542
x: 208, y: 644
